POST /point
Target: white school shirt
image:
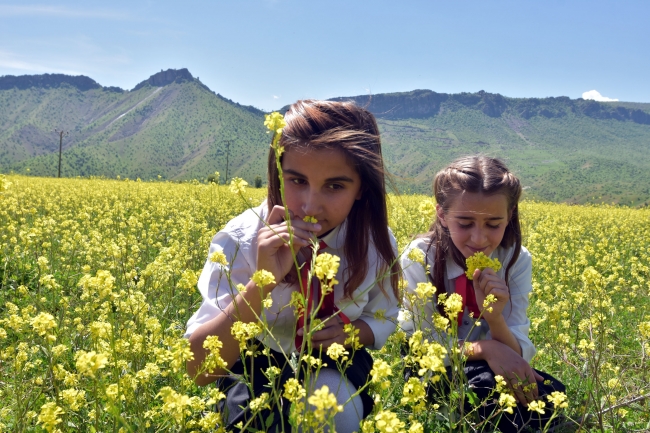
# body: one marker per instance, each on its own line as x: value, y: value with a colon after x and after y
x: 239, y: 243
x: 520, y: 285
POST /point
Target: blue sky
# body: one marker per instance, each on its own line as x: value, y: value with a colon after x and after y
x: 268, y: 53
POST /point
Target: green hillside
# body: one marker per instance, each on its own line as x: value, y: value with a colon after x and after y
x: 180, y: 130
x: 171, y: 125
x: 564, y: 150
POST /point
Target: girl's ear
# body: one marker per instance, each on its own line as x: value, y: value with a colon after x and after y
x: 441, y: 215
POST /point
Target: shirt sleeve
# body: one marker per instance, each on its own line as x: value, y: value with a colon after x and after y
x: 416, y: 316
x: 214, y: 285
x: 520, y: 285
x: 384, y: 302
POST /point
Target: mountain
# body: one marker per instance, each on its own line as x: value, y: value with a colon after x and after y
x: 172, y: 125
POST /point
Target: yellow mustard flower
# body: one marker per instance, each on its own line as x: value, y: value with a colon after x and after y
x: 480, y: 261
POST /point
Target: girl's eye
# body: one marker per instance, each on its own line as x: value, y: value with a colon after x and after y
x: 464, y: 226
x: 298, y: 181
x: 493, y: 227
x: 335, y: 186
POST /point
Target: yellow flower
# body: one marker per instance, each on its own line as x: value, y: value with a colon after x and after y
x: 352, y: 339
x: 507, y: 402
x: 537, y: 406
x: 213, y: 360
x: 244, y: 332
x: 268, y: 301
x: 89, y: 362
x: 480, y: 261
x: 74, y: 398
x: 387, y: 422
x: 260, y: 402
x: 272, y: 372
x: 335, y: 351
x: 502, y: 385
x: 49, y: 416
x: 238, y: 185
x: 263, y: 278
x: 293, y: 390
x: 644, y: 329
x: 326, y: 266
x: 416, y: 255
x: 453, y: 305
x: 414, y: 393
x: 380, y: 371
x: 43, y: 323
x: 181, y: 353
x: 310, y: 219
x: 275, y: 122
x: 176, y: 405
x: 218, y: 257
x: 489, y: 300
x: 440, y: 322
x: 325, y: 403
x: 426, y: 290
x: 558, y: 399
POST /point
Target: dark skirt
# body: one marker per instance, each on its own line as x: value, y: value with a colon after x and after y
x: 480, y: 378
x: 240, y: 391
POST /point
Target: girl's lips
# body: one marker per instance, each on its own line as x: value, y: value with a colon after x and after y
x: 476, y: 250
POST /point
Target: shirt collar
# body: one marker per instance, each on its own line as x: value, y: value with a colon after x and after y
x: 453, y: 270
x: 335, y: 239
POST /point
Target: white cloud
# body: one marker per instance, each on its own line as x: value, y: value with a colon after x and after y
x: 276, y: 97
x: 58, y: 11
x: 596, y: 96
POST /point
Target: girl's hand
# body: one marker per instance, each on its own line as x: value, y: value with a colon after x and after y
x: 331, y: 332
x: 273, y: 251
x: 487, y: 282
x: 519, y: 375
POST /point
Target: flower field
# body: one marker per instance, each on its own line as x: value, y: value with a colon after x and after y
x: 98, y: 278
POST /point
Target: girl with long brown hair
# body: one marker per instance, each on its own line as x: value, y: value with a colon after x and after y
x: 333, y: 173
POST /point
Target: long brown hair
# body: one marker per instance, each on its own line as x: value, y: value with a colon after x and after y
x: 325, y: 125
x: 475, y: 174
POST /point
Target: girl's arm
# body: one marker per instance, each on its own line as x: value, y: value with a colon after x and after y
x: 246, y: 307
x: 506, y: 362
x: 487, y: 282
x: 273, y: 255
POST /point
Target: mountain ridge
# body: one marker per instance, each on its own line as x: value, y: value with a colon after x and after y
x: 426, y: 103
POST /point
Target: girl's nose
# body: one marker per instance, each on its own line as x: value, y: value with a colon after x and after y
x: 478, y: 237
x: 312, y: 203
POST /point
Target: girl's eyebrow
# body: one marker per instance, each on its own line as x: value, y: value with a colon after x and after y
x: 463, y: 217
x: 329, y: 179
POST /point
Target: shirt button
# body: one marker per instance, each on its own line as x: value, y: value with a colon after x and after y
x: 466, y: 322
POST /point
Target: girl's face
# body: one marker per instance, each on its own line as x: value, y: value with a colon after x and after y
x: 476, y: 222
x: 320, y: 183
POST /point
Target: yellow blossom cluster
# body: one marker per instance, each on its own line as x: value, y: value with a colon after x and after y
x: 480, y: 261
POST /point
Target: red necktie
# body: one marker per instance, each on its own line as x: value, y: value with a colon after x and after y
x: 311, y: 292
x: 465, y: 289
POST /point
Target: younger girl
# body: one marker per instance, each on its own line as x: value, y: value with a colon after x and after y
x: 477, y: 211
x: 333, y: 171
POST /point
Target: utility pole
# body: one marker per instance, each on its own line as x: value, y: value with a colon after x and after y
x: 225, y: 181
x: 61, y: 134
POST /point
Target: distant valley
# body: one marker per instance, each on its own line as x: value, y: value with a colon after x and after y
x: 173, y: 126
